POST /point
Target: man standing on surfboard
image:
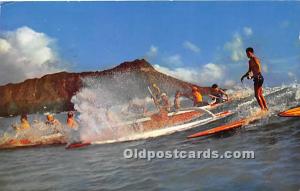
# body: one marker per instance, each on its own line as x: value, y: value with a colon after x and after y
x: 254, y: 72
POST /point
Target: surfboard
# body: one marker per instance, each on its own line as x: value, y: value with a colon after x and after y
x: 221, y: 128
x: 229, y: 126
x: 294, y: 112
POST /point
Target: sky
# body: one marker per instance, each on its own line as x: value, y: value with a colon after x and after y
x: 200, y: 42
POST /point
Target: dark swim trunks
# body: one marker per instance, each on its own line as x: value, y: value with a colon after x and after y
x: 258, y: 80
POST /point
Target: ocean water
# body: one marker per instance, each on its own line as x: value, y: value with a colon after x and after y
x: 275, y: 141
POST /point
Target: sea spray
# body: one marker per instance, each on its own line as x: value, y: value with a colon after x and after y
x: 103, y: 96
x: 297, y: 95
x: 38, y: 133
x: 100, y: 104
x: 278, y: 99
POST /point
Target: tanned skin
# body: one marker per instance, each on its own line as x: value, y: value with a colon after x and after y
x: 255, y: 68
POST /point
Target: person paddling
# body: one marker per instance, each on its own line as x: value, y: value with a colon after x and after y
x: 254, y: 72
x: 71, y: 121
x: 177, y: 100
x: 165, y: 104
x: 196, y: 96
x: 24, y: 122
x: 50, y: 120
x: 155, y: 94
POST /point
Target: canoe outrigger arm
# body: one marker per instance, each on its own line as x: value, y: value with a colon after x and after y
x: 200, y: 109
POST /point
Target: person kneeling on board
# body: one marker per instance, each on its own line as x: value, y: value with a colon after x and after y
x: 218, y: 95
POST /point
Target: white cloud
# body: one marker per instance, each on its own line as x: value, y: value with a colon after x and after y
x: 190, y: 46
x: 4, y: 46
x: 173, y: 60
x: 153, y: 51
x: 248, y: 31
x: 229, y: 83
x: 291, y: 75
x: 211, y: 72
x: 25, y: 53
x: 206, y: 75
x: 180, y: 73
x: 236, y: 49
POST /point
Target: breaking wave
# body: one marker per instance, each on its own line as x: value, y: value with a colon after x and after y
x: 100, y: 110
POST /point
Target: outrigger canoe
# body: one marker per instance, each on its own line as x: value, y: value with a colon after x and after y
x: 157, y: 125
x: 294, y: 112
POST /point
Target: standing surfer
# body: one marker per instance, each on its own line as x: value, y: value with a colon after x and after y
x: 254, y: 72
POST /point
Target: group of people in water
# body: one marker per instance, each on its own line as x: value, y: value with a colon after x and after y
x: 50, y: 121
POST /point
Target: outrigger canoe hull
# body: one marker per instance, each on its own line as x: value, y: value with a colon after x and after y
x: 164, y: 128
x: 54, y: 139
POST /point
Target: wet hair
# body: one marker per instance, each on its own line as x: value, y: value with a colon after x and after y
x: 70, y: 114
x: 250, y: 49
x: 214, y: 86
x: 24, y: 116
x: 194, y: 88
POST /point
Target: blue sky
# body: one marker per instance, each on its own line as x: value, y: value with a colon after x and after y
x: 202, y: 42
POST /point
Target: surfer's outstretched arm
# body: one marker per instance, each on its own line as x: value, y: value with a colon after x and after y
x: 246, y: 74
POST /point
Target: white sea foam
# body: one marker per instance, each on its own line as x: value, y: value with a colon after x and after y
x: 100, y: 106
